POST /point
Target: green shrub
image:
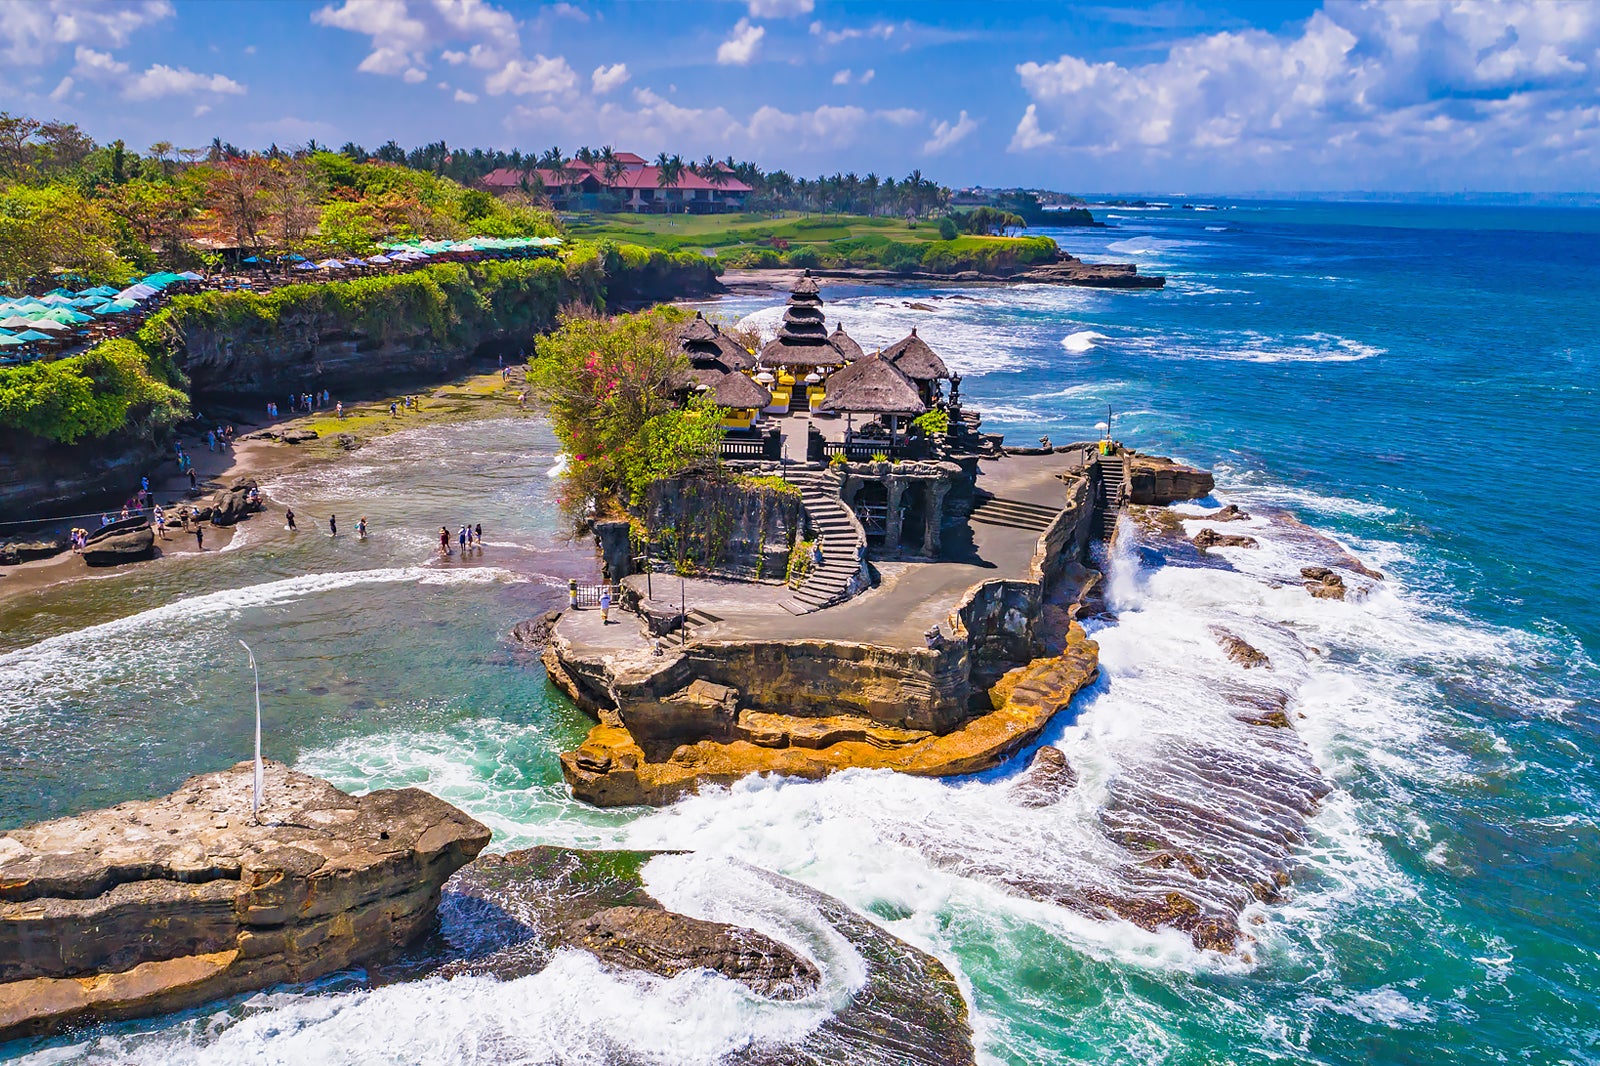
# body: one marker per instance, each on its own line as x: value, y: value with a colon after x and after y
x: 947, y: 228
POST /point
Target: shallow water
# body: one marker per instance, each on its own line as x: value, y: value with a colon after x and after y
x: 1414, y: 382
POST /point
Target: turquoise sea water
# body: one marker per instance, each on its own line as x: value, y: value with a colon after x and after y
x: 1417, y: 382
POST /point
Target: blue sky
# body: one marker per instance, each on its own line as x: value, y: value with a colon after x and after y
x: 1180, y: 95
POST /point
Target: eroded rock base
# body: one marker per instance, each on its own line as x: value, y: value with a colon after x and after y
x: 612, y: 768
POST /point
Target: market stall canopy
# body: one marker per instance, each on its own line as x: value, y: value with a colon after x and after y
x: 872, y: 385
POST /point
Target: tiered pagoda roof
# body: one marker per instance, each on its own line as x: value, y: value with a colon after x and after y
x: 803, y: 338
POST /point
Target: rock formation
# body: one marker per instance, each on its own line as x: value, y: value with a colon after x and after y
x: 1240, y: 650
x: 508, y: 914
x: 614, y: 768
x: 1048, y: 777
x: 160, y: 905
x: 1323, y: 583
x: 1209, y: 538
x: 1230, y: 513
x: 232, y: 504
x: 24, y: 550
x: 120, y: 544
x: 1158, y: 480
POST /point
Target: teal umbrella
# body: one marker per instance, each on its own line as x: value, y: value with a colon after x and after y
x: 115, y: 307
x: 33, y: 335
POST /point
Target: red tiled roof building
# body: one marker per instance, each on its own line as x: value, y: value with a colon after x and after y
x: 636, y: 186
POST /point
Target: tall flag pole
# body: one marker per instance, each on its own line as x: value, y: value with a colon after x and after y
x: 255, y: 795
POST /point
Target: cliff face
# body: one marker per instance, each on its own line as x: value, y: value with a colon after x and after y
x: 725, y: 528
x: 157, y: 906
x: 40, y: 478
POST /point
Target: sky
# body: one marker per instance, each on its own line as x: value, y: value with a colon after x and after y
x: 1434, y: 96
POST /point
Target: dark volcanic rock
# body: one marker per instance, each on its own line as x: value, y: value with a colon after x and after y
x: 1230, y: 513
x: 1240, y: 650
x: 298, y: 436
x: 665, y: 943
x: 13, y: 552
x: 534, y: 634
x: 1158, y: 480
x: 1049, y: 777
x: 232, y: 504
x: 348, y: 441
x: 127, y: 546
x: 506, y: 915
x: 162, y: 905
x: 1209, y: 538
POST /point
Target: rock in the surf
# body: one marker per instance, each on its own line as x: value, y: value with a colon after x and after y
x: 1240, y: 650
x: 1230, y: 513
x: 1209, y: 538
x: 1323, y: 583
x: 665, y: 943
x: 1048, y: 777
x: 534, y: 634
x: 1158, y: 480
x: 161, y: 905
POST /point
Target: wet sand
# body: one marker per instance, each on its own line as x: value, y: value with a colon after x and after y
x: 476, y: 397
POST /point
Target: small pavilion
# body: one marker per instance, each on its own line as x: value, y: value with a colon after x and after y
x: 920, y: 363
x: 873, y: 385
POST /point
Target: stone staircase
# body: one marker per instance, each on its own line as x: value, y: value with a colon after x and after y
x: 1014, y: 514
x: 1113, y: 470
x: 695, y: 619
x: 841, y: 542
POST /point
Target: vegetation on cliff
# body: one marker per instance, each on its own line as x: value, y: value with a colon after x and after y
x: 614, y: 388
x: 135, y: 384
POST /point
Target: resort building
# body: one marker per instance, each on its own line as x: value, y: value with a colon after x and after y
x: 625, y: 183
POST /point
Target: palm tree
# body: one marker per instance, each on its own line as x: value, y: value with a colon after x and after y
x: 870, y: 184
x: 586, y: 155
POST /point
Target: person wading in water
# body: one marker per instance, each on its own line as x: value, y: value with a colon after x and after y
x: 333, y: 525
x: 288, y: 515
x: 444, y: 540
x: 199, y: 537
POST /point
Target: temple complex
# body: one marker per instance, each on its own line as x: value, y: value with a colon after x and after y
x: 906, y: 598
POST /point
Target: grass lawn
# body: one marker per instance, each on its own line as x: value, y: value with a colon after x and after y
x: 723, y: 231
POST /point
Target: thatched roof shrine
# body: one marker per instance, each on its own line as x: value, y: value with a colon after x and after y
x: 873, y: 385
x: 845, y: 343
x: 803, y: 338
x: 915, y: 359
x: 727, y: 389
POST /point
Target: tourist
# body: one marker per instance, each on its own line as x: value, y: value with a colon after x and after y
x: 211, y: 440
x: 105, y: 519
x: 522, y: 400
x: 361, y: 527
x: 338, y: 410
x: 461, y: 537
x: 333, y: 525
x: 605, y: 606
x: 159, y: 520
x: 193, y: 483
x: 199, y: 537
x: 288, y: 516
x: 144, y: 484
x: 477, y: 534
x: 444, y: 540
x: 394, y: 409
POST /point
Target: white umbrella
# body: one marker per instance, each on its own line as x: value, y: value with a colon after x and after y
x: 137, y: 292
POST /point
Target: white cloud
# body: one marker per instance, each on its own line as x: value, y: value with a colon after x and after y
x: 841, y: 77
x: 63, y: 87
x: 607, y: 78
x: 780, y: 9
x: 525, y: 77
x: 845, y: 76
x: 1029, y: 136
x: 412, y: 76
x: 742, y: 46
x: 464, y: 97
x: 34, y: 32
x: 403, y: 32
x: 202, y: 110
x: 99, y: 65
x: 162, y: 80
x: 1358, y: 88
x: 249, y: 49
x: 880, y: 31
x: 947, y: 134
x: 867, y: 75
x: 576, y: 14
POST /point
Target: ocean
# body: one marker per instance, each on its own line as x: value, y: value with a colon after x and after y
x: 1417, y: 382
